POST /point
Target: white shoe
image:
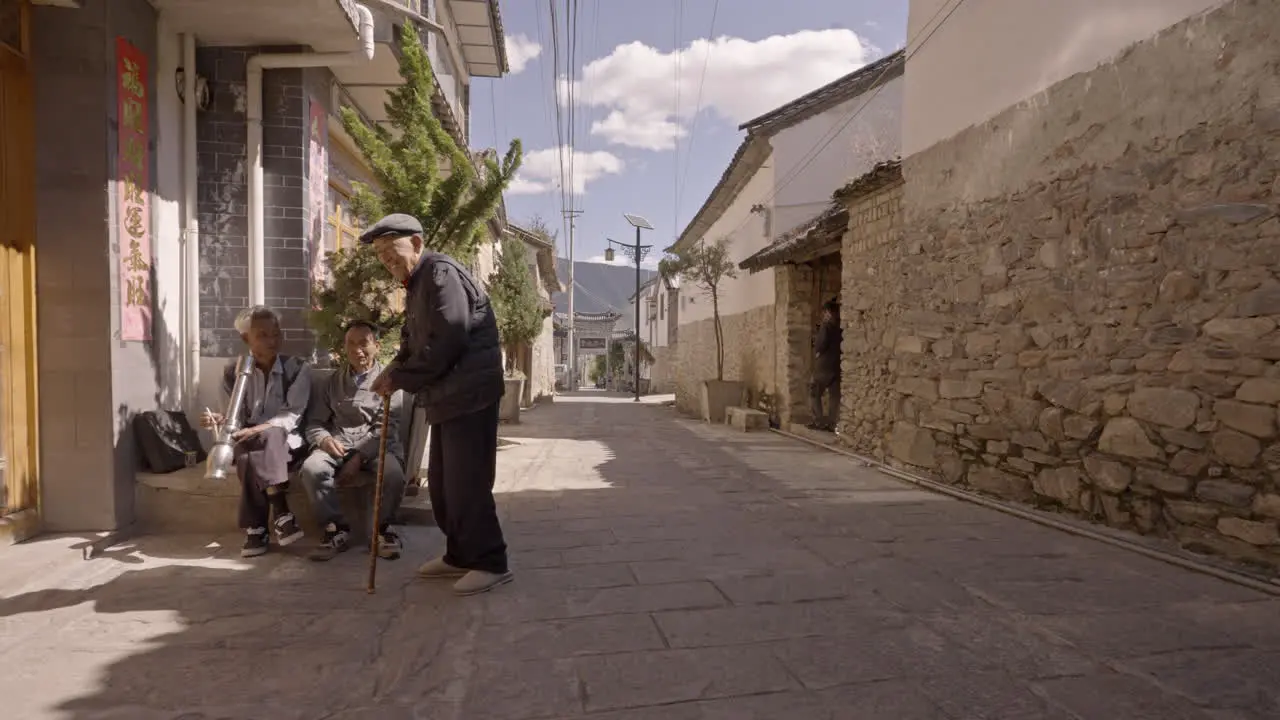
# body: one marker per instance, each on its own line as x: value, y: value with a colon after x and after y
x: 438, y: 568
x: 479, y: 581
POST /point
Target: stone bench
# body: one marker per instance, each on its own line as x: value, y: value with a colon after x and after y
x: 746, y: 419
x: 184, y: 502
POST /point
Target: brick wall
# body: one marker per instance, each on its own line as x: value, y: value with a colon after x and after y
x: 223, y: 197
x: 1082, y: 311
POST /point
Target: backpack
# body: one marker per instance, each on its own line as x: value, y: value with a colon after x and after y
x: 166, y: 441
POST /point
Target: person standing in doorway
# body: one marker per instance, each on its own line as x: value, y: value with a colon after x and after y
x: 451, y: 360
x: 826, y: 370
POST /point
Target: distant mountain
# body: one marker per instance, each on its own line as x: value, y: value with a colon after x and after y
x: 600, y: 287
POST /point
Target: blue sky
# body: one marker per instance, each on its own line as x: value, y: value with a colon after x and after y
x: 639, y: 147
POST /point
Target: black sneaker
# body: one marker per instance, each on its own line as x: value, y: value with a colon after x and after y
x: 389, y: 545
x: 336, y: 541
x: 255, y: 542
x: 287, y: 530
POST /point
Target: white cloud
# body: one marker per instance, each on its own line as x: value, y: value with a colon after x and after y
x: 637, y: 85
x: 521, y: 50
x: 540, y: 172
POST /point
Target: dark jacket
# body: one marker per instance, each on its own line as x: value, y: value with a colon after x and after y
x: 450, y: 357
x: 826, y: 366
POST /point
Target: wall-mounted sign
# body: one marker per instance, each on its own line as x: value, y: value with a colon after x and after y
x: 590, y: 343
x: 133, y: 170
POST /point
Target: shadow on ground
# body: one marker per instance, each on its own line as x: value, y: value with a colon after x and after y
x: 665, y: 569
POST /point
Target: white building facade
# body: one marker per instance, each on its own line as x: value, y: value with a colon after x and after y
x: 783, y: 176
x: 175, y: 161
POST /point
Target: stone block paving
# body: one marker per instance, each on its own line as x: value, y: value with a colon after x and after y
x: 666, y: 570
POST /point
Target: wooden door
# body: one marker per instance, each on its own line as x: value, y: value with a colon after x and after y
x: 18, y: 449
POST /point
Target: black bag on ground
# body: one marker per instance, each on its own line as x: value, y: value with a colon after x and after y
x: 166, y: 441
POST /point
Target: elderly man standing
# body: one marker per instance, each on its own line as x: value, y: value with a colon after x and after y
x: 451, y: 360
x: 275, y: 399
x: 343, y: 426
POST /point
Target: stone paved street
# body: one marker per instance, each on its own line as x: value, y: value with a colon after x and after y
x: 665, y: 571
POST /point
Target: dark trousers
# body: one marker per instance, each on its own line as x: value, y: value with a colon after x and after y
x: 262, y: 464
x: 461, y: 468
x: 318, y: 476
x: 829, y: 387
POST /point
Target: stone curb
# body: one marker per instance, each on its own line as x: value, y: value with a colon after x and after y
x: 1271, y: 587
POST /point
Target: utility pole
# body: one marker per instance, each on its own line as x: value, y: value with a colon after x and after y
x: 570, y: 216
x: 637, y: 253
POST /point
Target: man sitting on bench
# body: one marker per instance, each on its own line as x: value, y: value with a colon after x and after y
x: 274, y: 400
x: 343, y: 426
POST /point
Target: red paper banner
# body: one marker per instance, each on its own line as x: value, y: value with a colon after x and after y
x: 133, y: 177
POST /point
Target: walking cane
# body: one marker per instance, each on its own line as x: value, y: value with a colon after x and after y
x: 377, y: 497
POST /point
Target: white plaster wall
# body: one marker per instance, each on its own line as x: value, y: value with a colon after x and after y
x: 166, y: 211
x: 992, y: 54
x: 660, y: 333
x: 486, y: 259
x: 652, y: 332
x: 874, y: 134
x: 747, y: 236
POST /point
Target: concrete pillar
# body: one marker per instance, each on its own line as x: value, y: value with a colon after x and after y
x: 90, y: 382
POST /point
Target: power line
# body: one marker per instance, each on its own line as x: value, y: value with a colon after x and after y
x: 588, y: 86
x: 697, y: 108
x: 493, y: 112
x: 571, y: 25
x: 677, y: 61
x: 827, y: 138
x: 555, y: 89
x: 542, y: 43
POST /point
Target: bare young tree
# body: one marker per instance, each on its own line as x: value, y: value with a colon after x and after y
x: 707, y: 266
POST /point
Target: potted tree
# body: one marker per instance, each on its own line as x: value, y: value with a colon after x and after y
x: 707, y: 266
x: 419, y: 170
x: 520, y: 314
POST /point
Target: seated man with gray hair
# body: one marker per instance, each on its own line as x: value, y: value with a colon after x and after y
x: 275, y: 399
x: 344, y: 426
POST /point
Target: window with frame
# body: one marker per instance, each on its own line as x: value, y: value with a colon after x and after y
x: 340, y: 229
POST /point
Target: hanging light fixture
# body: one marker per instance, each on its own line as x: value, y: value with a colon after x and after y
x: 608, y: 255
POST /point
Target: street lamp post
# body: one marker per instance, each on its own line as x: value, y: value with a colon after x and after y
x: 637, y: 253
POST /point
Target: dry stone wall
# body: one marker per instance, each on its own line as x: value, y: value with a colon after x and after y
x: 748, y: 354
x: 1100, y: 337
x: 871, y: 303
x: 794, y: 289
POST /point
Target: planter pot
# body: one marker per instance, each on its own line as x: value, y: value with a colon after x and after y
x: 509, y: 408
x: 718, y: 395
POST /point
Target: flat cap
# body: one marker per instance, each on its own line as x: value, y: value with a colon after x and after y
x: 393, y: 225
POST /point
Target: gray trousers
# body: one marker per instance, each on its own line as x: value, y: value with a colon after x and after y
x: 262, y: 464
x: 829, y: 387
x: 318, y: 475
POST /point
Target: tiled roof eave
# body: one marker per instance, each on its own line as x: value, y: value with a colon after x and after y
x: 825, y: 229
